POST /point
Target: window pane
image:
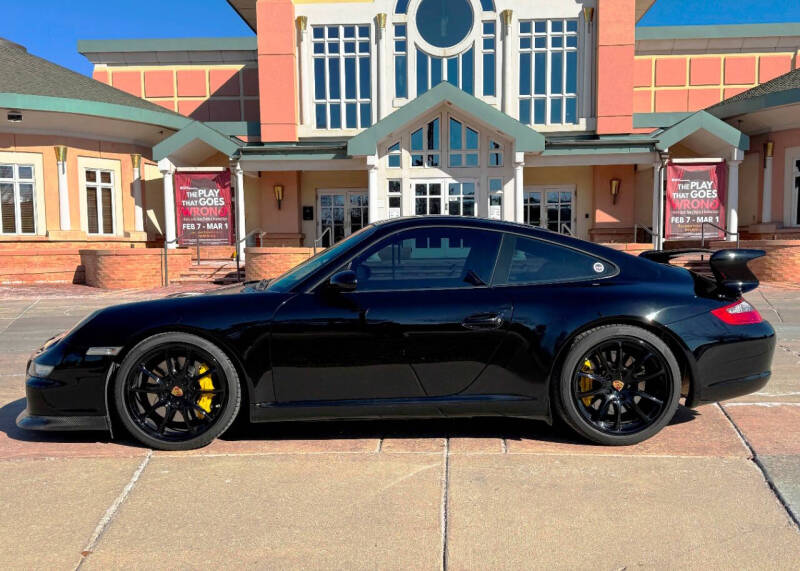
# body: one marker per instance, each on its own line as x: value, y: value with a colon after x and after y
x: 433, y: 135
x: 455, y: 160
x: 6, y: 171
x: 572, y: 72
x: 350, y: 78
x: 540, y: 63
x: 319, y: 79
x: 436, y: 71
x: 105, y: 177
x: 489, y: 75
x: 334, y: 91
x: 525, y: 111
x: 556, y: 72
x: 452, y: 71
x: 349, y: 31
x: 422, y: 72
x: 535, y: 261
x: 555, y: 110
x: 91, y: 209
x: 366, y: 114
x: 571, y: 111
x: 336, y: 116
x: 351, y: 116
x: 394, y: 161
x: 455, y: 134
x: 7, y: 214
x: 472, y: 139
x: 108, y: 220
x: 538, y: 111
x: 91, y: 176
x: 468, y: 71
x: 26, y: 207
x: 416, y: 140
x: 471, y: 159
x: 525, y: 74
x: 321, y: 120
x: 400, y: 75
x: 495, y: 184
x: 364, y: 78
x: 25, y: 172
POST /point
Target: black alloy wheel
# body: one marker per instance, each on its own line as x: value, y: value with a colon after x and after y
x: 620, y: 385
x: 176, y: 391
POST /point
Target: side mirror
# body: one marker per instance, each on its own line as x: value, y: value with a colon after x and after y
x: 344, y: 281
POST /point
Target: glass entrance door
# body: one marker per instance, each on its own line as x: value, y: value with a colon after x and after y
x: 461, y: 199
x: 551, y: 208
x: 341, y: 212
x: 430, y: 197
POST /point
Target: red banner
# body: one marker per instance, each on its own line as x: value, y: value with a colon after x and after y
x: 203, y: 208
x: 696, y: 193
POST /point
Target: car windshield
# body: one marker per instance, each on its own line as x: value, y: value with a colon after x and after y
x: 297, y: 274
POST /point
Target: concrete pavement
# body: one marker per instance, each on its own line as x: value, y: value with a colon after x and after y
x: 718, y: 488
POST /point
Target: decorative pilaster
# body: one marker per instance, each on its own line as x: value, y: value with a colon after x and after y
x: 382, y: 65
x: 766, y: 199
x: 138, y: 206
x: 304, y: 77
x: 63, y: 187
x: 241, y: 229
x: 167, y: 170
x: 507, y: 99
x: 519, y: 188
x: 733, y: 194
x: 372, y: 196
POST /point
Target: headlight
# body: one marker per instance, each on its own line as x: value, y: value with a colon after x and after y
x: 38, y: 370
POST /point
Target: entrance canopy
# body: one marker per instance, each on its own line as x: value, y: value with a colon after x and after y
x: 195, y: 143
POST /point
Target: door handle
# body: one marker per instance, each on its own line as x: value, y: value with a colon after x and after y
x: 483, y: 321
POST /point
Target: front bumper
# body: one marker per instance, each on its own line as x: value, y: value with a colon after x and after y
x: 30, y: 421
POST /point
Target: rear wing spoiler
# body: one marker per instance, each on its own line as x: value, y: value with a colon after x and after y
x: 728, y: 266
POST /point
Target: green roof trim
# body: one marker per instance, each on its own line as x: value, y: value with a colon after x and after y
x: 248, y: 43
x: 658, y: 120
x: 284, y: 155
x: 596, y: 150
x: 702, y: 120
x: 717, y: 32
x: 366, y: 142
x: 195, y: 131
x: 733, y: 108
x: 92, y: 108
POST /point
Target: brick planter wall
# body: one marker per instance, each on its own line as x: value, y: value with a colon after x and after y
x: 132, y: 268
x: 37, y: 260
x: 270, y: 262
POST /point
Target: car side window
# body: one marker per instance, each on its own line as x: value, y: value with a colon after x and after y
x: 429, y: 258
x: 531, y: 261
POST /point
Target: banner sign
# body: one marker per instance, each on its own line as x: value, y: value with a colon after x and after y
x: 695, y: 194
x: 203, y: 208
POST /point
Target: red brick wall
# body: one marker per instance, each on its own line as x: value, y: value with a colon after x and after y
x: 123, y: 269
x: 270, y: 262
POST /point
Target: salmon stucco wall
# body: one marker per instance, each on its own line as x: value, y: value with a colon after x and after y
x: 607, y: 214
x: 616, y: 21
x: 679, y: 83
x: 202, y: 92
x: 277, y: 70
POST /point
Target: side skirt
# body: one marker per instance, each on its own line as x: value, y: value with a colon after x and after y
x: 430, y: 407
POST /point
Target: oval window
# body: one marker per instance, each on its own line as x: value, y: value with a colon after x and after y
x: 444, y: 23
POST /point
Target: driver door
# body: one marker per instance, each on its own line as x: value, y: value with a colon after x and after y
x: 422, y: 322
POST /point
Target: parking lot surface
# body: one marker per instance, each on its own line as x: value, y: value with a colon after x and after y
x: 718, y: 488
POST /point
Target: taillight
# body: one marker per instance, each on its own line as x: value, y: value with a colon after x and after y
x: 738, y: 313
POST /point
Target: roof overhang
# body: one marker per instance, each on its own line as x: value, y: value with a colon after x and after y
x: 195, y: 143
x: 717, y: 39
x: 525, y: 139
x: 705, y: 134
x: 642, y: 6
x: 246, y: 10
x: 170, y: 50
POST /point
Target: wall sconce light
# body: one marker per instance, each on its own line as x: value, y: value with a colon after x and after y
x: 588, y: 14
x: 278, y: 188
x: 615, y: 183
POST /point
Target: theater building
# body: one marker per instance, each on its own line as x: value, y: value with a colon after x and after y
x: 559, y: 114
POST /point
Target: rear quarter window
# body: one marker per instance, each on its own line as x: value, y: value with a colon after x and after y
x: 532, y: 261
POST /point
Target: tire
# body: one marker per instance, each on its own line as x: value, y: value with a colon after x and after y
x: 619, y: 404
x: 167, y: 400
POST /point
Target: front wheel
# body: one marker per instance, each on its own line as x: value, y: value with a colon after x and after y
x: 176, y: 391
x: 619, y: 385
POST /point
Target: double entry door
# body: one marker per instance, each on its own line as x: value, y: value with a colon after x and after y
x: 341, y: 212
x: 551, y: 207
x: 445, y: 196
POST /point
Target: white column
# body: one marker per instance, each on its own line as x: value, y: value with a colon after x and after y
x: 167, y: 171
x: 372, y: 196
x: 241, y: 229
x: 656, y: 205
x: 304, y: 75
x: 382, y: 81
x: 63, y: 187
x: 766, y: 199
x: 138, y: 210
x: 733, y: 194
x: 508, y: 65
x: 519, y: 165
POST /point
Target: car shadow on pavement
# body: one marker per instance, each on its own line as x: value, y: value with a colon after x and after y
x: 501, y: 428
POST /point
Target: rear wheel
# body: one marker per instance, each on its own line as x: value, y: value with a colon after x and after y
x: 619, y: 385
x: 176, y: 391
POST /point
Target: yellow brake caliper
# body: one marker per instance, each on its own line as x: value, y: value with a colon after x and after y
x: 586, y: 382
x: 206, y: 384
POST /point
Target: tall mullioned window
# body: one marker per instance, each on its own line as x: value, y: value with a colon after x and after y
x: 99, y: 201
x: 342, y: 77
x: 548, y: 72
x: 16, y: 199
x: 400, y: 61
x: 489, y: 40
x: 458, y: 70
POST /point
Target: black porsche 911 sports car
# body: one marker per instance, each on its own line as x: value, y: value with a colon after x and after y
x: 418, y: 317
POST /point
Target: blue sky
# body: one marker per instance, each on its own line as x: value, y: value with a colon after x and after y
x: 51, y: 28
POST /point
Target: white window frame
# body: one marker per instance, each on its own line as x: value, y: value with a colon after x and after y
x: 341, y: 56
x: 426, y: 151
x: 401, y: 40
x: 463, y: 151
x: 460, y: 197
x: 493, y: 51
x: 428, y: 196
x: 498, y: 150
x: 543, y: 190
x: 549, y: 50
x: 445, y: 71
x: 15, y: 181
x: 394, y: 211
x: 497, y: 193
x: 111, y: 186
x: 791, y: 193
x: 394, y: 150
x: 346, y: 193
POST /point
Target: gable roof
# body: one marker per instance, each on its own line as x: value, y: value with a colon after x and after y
x: 196, y: 131
x: 703, y: 121
x: 525, y: 138
x: 783, y: 90
x: 30, y: 82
